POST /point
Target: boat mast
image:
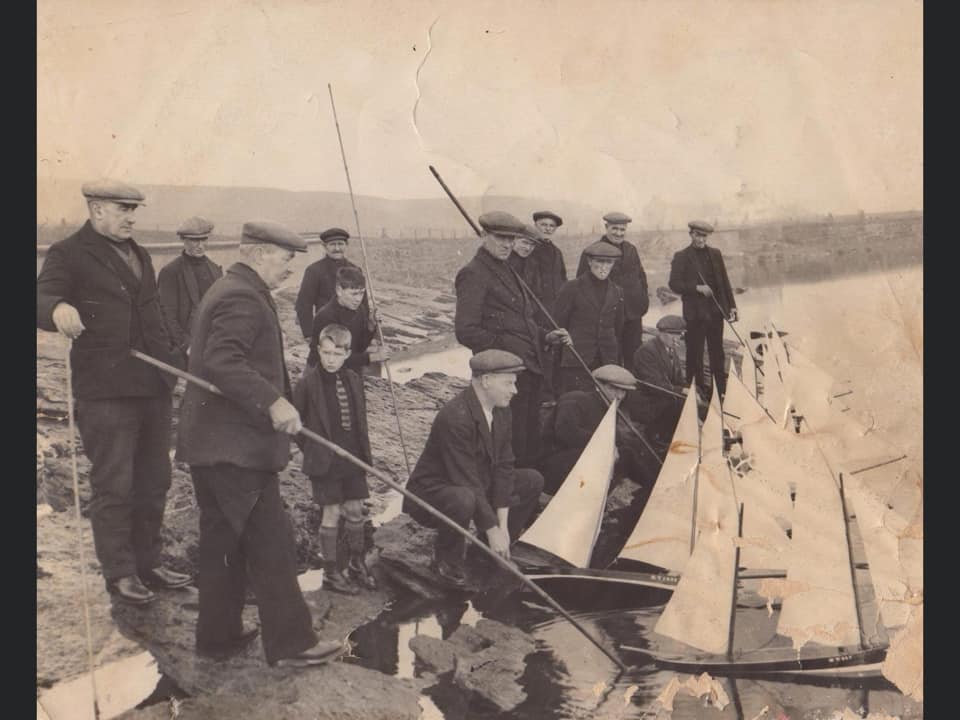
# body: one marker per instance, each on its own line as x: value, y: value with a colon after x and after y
x: 853, y: 576
x: 736, y: 575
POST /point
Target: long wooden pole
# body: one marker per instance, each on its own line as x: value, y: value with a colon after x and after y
x: 549, y: 317
x: 366, y: 270
x: 390, y: 482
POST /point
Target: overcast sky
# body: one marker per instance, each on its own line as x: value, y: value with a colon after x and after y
x: 812, y: 104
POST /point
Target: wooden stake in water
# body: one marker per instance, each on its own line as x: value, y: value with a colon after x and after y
x: 83, y: 560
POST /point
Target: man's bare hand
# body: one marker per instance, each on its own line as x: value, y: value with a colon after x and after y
x: 555, y: 337
x: 734, y: 316
x: 67, y: 320
x: 499, y: 541
x: 380, y: 354
x: 285, y: 417
x: 705, y: 290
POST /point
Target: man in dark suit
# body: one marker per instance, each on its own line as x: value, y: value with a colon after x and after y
x: 629, y: 274
x: 495, y: 312
x: 236, y: 444
x: 578, y: 415
x: 551, y: 275
x: 591, y: 306
x: 699, y: 275
x: 656, y: 363
x: 184, y: 280
x: 467, y: 468
x: 98, y: 288
x: 320, y: 278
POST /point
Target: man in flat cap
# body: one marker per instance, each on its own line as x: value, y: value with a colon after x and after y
x: 236, y: 444
x: 320, y: 279
x: 184, y: 280
x: 98, y: 288
x: 495, y: 312
x: 629, y: 274
x: 699, y: 275
x: 549, y: 258
x: 577, y: 417
x: 592, y: 307
x: 656, y: 364
x: 467, y: 468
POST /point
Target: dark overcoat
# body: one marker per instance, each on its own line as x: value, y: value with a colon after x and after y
x: 629, y: 274
x: 238, y: 346
x: 180, y: 296
x: 494, y: 312
x: 309, y: 400
x: 462, y: 451
x: 594, y: 328
x: 685, y: 275
x: 118, y: 311
x: 318, y: 286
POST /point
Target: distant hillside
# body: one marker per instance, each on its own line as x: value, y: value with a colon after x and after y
x: 229, y: 208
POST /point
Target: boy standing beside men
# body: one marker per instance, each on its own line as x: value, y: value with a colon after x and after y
x: 347, y: 308
x: 330, y: 399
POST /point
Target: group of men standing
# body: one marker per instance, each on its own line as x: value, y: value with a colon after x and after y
x: 535, y: 335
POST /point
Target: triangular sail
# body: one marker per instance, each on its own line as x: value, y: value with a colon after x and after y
x: 748, y: 373
x: 661, y: 536
x: 740, y: 407
x: 774, y: 397
x: 569, y: 525
x: 711, y: 434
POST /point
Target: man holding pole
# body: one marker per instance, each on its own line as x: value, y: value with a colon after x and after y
x: 98, y: 288
x: 699, y: 275
x: 495, y: 312
x: 467, y: 469
x: 629, y: 274
x: 236, y: 444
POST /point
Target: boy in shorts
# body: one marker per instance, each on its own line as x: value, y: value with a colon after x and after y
x: 331, y: 402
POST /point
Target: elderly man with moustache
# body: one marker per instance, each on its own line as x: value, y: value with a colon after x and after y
x: 236, y: 444
x: 184, y: 280
x: 467, y: 467
x: 629, y: 274
x: 319, y: 282
x: 98, y: 288
x: 495, y: 312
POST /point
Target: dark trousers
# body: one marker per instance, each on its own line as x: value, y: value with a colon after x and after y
x: 630, y: 339
x: 459, y: 504
x: 710, y: 330
x: 128, y: 443
x: 245, y: 534
x: 525, y: 412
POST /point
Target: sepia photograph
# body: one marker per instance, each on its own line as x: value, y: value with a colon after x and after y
x: 444, y: 360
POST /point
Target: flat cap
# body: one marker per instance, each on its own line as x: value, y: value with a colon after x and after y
x: 532, y: 232
x: 671, y: 324
x: 195, y: 228
x: 547, y: 215
x: 112, y: 190
x: 616, y: 376
x: 272, y: 233
x: 495, y: 361
x: 501, y: 223
x: 701, y: 226
x: 601, y: 249
x: 617, y: 218
x: 334, y: 233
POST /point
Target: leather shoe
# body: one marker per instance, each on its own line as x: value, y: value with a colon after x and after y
x: 131, y: 590
x: 160, y: 578
x: 221, y: 651
x: 338, y: 582
x: 323, y: 652
x: 357, y: 571
x: 450, y: 574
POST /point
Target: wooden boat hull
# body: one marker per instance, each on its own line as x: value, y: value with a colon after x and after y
x: 781, y: 662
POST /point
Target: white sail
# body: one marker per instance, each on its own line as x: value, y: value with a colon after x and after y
x: 711, y: 434
x: 662, y: 535
x: 748, y: 373
x: 740, y: 407
x: 569, y: 525
x: 775, y: 398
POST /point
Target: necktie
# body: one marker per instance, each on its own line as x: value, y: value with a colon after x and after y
x: 344, y: 405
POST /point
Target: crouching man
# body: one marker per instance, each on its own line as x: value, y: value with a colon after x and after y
x: 467, y: 468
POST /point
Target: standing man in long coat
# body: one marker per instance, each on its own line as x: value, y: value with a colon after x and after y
x: 184, y: 280
x: 494, y: 312
x: 699, y: 275
x: 320, y: 278
x: 629, y: 274
x: 98, y: 288
x: 236, y: 444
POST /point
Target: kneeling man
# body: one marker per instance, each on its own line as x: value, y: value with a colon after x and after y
x: 467, y: 468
